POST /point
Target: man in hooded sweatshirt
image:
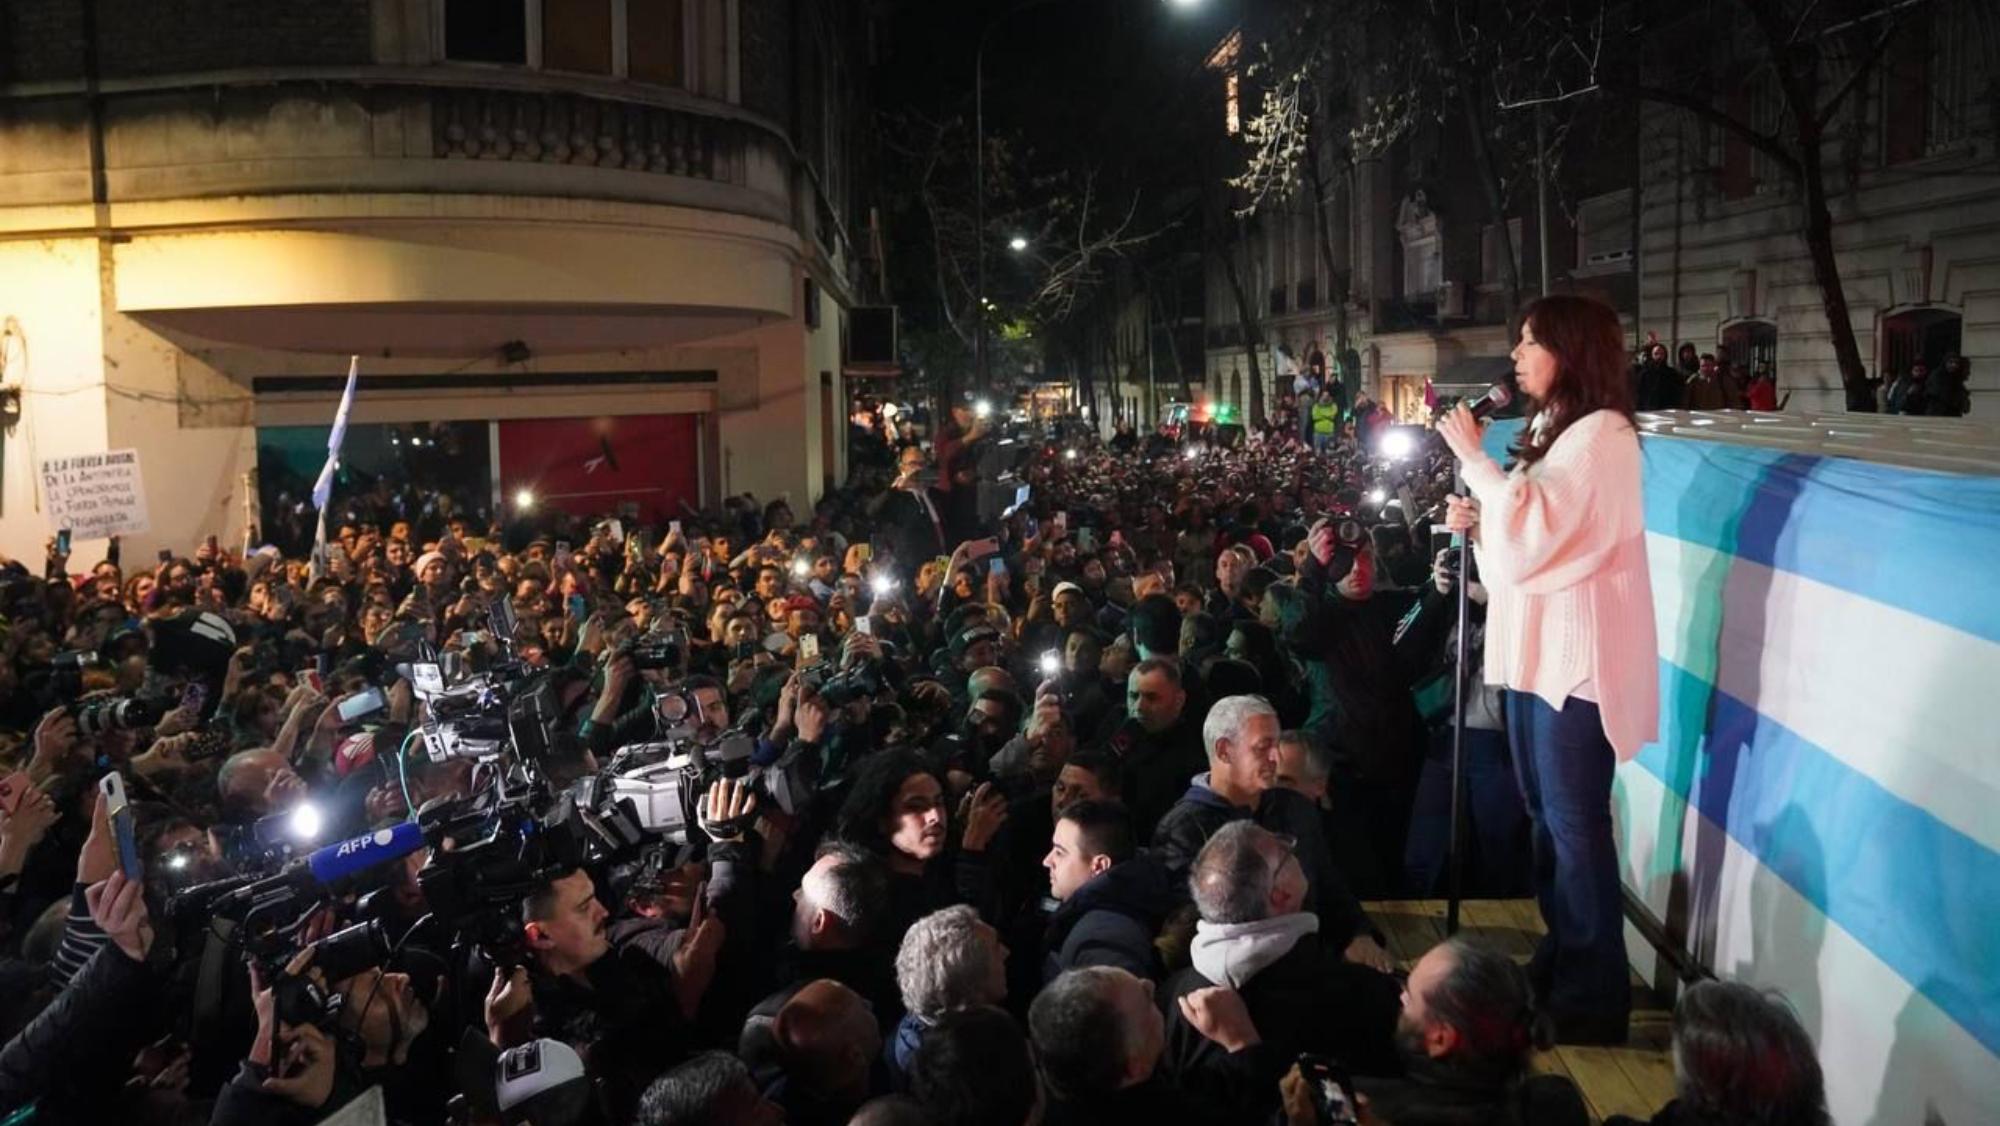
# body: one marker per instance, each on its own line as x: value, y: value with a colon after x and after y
x: 1112, y: 898
x: 1256, y: 938
x: 1241, y: 736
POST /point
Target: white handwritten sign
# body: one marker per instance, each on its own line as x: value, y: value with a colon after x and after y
x: 95, y: 495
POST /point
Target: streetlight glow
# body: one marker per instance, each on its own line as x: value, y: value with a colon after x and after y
x: 1017, y: 244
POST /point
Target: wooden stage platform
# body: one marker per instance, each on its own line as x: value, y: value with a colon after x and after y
x: 1636, y: 1079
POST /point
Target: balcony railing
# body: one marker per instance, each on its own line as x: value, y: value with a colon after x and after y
x: 567, y: 128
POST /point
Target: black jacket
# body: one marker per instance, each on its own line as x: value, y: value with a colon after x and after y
x: 1201, y: 812
x: 1418, y: 1100
x: 90, y: 1031
x: 1111, y: 921
x: 1155, y: 769
x: 1309, y: 1000
x: 1157, y: 1100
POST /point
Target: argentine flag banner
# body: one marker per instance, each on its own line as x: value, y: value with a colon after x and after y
x: 1821, y: 811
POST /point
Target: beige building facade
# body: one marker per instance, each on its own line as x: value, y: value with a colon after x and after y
x: 599, y: 209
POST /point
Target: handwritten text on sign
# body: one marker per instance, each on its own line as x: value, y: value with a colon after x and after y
x: 95, y: 495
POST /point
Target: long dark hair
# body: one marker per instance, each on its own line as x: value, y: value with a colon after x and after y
x: 1743, y: 1057
x: 873, y: 795
x: 1591, y: 375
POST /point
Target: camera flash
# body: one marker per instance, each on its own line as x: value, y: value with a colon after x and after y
x: 305, y: 822
x: 1051, y: 663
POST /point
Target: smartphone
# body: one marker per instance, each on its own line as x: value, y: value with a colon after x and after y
x: 674, y: 527
x: 166, y: 555
x: 997, y: 566
x: 362, y: 704
x: 808, y: 649
x: 776, y: 642
x: 12, y: 789
x: 864, y: 627
x: 562, y: 552
x: 112, y: 786
x: 1086, y: 538
x: 867, y: 551
x: 579, y: 607
x: 62, y: 542
x: 1332, y: 1090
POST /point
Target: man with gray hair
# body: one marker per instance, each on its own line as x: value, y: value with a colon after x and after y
x: 949, y: 959
x: 1099, y: 1036
x: 1257, y: 940
x: 1241, y: 737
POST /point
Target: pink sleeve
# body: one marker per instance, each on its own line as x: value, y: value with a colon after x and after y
x: 1550, y: 529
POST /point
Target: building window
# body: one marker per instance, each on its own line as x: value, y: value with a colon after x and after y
x: 645, y: 40
x: 1222, y: 60
x: 1277, y: 300
x: 576, y: 35
x: 486, y: 31
x: 1604, y: 230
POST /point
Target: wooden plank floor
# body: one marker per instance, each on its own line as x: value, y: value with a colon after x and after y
x: 1636, y: 1079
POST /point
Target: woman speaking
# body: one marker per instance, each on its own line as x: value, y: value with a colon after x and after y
x: 1561, y: 542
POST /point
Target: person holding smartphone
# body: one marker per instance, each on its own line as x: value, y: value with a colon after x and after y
x: 1560, y: 539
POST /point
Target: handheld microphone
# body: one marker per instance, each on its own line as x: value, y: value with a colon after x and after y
x: 1497, y: 397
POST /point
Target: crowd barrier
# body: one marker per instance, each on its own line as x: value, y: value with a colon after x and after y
x: 1821, y: 812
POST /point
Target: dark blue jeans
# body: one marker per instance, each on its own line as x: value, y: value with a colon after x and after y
x: 1496, y: 842
x: 1565, y: 765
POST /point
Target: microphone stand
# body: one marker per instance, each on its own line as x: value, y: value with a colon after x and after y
x: 1454, y: 842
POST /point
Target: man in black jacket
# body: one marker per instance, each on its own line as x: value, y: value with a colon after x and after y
x: 1256, y: 938
x: 1467, y: 1033
x: 1099, y: 1037
x: 1159, y: 744
x: 1242, y: 738
x: 1113, y: 899
x: 913, y: 515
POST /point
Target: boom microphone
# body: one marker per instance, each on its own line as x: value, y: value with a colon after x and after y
x: 1497, y: 397
x: 323, y: 868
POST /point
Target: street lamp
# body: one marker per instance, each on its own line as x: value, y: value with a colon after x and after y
x: 979, y: 171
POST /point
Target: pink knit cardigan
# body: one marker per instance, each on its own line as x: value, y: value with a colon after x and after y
x: 1562, y: 550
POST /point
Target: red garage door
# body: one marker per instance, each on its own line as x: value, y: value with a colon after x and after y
x: 592, y: 466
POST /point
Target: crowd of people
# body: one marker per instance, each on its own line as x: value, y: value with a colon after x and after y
x: 1088, y: 787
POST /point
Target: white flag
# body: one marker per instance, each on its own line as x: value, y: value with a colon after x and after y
x: 323, y: 488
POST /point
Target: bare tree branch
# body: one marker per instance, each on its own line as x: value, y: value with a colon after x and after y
x: 1862, y: 69
x: 1762, y: 142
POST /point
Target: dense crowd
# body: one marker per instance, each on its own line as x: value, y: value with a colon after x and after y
x: 1053, y: 805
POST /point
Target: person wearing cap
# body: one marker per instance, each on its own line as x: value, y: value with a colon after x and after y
x: 972, y: 648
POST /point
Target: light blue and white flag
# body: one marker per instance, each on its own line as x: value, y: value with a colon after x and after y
x: 323, y: 488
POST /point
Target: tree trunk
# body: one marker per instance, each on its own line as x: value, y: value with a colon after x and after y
x: 1817, y: 230
x: 1489, y: 182
x: 1339, y: 280
x: 1246, y: 316
x: 1173, y: 345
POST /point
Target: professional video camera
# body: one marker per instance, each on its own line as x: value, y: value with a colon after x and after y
x: 187, y: 659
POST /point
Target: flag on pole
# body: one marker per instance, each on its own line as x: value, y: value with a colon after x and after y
x: 323, y: 488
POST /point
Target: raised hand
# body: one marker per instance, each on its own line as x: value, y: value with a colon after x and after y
x: 1220, y: 1015
x: 983, y: 812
